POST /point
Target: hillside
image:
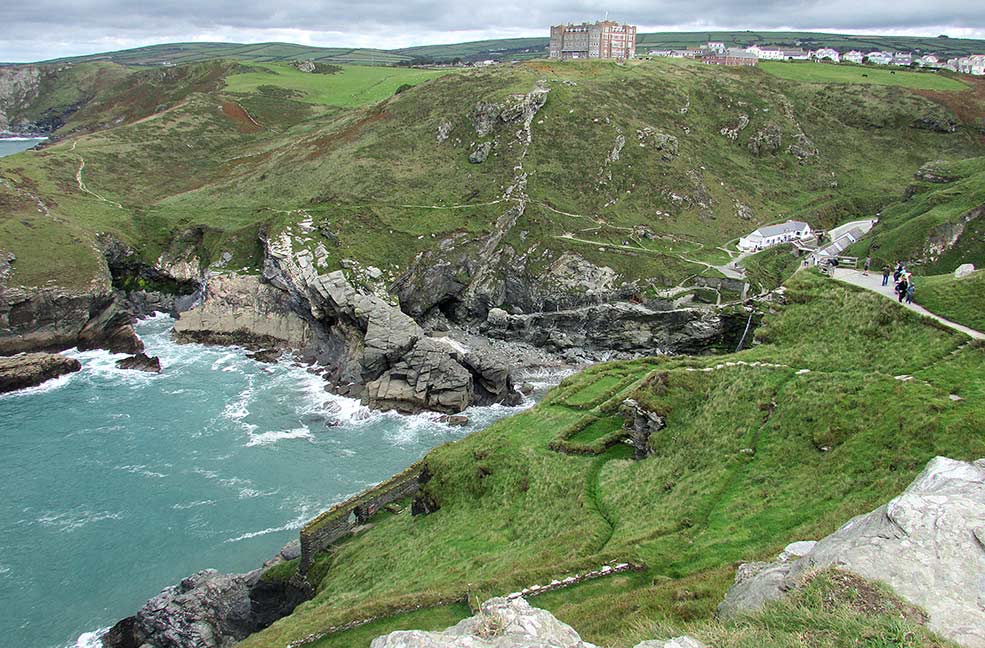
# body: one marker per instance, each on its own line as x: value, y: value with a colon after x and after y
x: 645, y: 169
x: 516, y: 48
x: 756, y: 453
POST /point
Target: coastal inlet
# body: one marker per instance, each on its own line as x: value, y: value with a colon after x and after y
x: 118, y: 483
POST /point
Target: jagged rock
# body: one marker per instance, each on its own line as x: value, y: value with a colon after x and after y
x: 964, y: 270
x: 426, y: 377
x: 140, y: 362
x: 30, y: 369
x: 767, y: 140
x: 304, y: 66
x: 483, y: 117
x: 444, y: 130
x: 501, y: 623
x: 527, y: 388
x: 617, y: 148
x: 454, y: 419
x: 935, y: 172
x: 928, y: 544
x: 732, y: 131
x: 803, y: 148
x: 481, y: 152
x: 666, y: 144
x: 206, y: 610
x: 243, y: 310
x: 676, y: 642
x: 939, y: 123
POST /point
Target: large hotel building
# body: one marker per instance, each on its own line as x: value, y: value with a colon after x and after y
x: 605, y: 39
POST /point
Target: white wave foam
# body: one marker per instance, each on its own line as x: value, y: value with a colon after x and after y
x: 293, y: 525
x: 189, y: 505
x: 238, y: 409
x: 140, y: 470
x: 43, y: 388
x: 267, y: 438
x: 72, y: 520
x: 90, y: 639
x: 19, y: 138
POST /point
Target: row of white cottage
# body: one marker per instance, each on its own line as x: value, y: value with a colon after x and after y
x: 973, y: 64
x: 771, y: 235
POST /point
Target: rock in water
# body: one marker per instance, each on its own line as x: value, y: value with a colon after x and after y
x: 928, y: 544
x: 206, y: 610
x: 30, y: 369
x: 964, y: 270
x: 140, y: 362
x: 501, y: 623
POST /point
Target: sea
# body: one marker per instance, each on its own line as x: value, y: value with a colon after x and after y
x: 115, y: 484
x: 11, y: 145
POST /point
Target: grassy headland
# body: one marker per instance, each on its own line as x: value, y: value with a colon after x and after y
x: 756, y: 453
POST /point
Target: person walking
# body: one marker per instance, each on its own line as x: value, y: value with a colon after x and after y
x: 886, y: 271
x: 901, y: 288
x: 897, y: 272
x: 910, y: 289
x: 868, y: 264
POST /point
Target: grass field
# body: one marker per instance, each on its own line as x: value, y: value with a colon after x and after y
x: 960, y: 300
x: 844, y: 73
x: 751, y: 458
x: 354, y: 86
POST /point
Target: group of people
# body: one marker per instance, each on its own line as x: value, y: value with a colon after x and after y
x: 902, y: 280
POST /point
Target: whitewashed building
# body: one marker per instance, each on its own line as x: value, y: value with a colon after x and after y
x: 879, y: 58
x: 974, y: 64
x: 766, y: 53
x: 827, y: 54
x: 796, y: 55
x: 903, y: 59
x: 715, y: 46
x: 928, y: 61
x: 771, y: 235
x: 854, y: 56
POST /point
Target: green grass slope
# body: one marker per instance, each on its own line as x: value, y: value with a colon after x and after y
x: 939, y: 226
x: 815, y: 73
x: 959, y: 300
x: 753, y: 456
x: 235, y: 149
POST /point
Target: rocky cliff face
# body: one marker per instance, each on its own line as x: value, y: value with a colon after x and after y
x: 928, y: 544
x: 33, y: 319
x: 19, y: 86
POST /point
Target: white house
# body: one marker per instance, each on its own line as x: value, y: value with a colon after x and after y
x: 974, y: 64
x: 766, y: 53
x: 715, y: 46
x: 796, y: 55
x: 853, y: 56
x: 827, y: 54
x: 879, y: 58
x: 840, y: 244
x: 771, y: 235
x: 903, y: 59
x: 928, y: 61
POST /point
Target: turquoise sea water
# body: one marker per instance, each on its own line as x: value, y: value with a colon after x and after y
x: 115, y: 484
x: 11, y: 146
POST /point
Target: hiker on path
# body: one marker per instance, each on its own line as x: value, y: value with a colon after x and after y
x: 897, y: 272
x: 886, y: 270
x: 901, y: 287
x: 910, y: 289
x: 868, y: 264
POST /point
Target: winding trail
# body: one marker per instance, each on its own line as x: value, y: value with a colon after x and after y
x: 84, y: 189
x: 873, y: 282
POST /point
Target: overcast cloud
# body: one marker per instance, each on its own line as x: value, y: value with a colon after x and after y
x: 33, y: 30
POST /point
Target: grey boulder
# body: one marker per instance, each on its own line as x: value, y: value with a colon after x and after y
x: 676, y: 642
x: 501, y: 623
x: 928, y: 544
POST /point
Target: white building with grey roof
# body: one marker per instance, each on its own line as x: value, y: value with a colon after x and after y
x: 771, y: 235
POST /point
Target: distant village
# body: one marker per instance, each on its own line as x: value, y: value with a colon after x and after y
x: 612, y: 40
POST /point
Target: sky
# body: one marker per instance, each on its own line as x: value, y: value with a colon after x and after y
x: 32, y: 30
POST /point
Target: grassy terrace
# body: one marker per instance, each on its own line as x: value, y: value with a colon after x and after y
x: 811, y: 72
x: 754, y: 455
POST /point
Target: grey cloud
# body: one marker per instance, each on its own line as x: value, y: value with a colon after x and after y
x: 404, y: 22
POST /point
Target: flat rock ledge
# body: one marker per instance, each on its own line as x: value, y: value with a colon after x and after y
x: 508, y: 623
x: 140, y: 362
x: 928, y: 544
x: 31, y: 369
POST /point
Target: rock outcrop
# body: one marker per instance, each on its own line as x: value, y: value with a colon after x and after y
x: 501, y: 623
x: 31, y: 369
x: 508, y: 623
x: 33, y: 319
x: 140, y: 362
x: 622, y: 327
x: 928, y: 544
x: 245, y: 311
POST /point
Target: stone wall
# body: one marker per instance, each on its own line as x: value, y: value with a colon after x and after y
x: 341, y: 519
